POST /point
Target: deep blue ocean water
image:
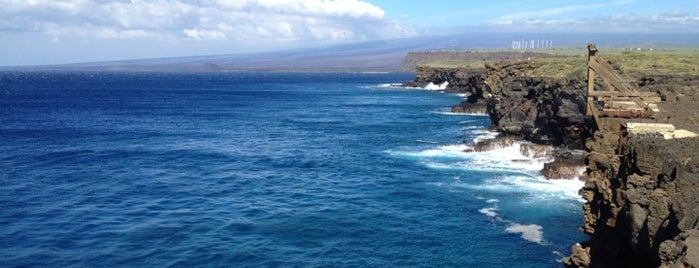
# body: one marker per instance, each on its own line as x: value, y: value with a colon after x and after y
x: 263, y: 170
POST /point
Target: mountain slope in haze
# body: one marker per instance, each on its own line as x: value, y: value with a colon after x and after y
x: 385, y: 55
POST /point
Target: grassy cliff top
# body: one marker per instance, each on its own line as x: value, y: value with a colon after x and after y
x: 680, y: 61
x: 456, y: 64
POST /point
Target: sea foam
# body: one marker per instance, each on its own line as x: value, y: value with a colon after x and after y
x: 529, y: 232
x: 518, y: 173
x: 490, y: 212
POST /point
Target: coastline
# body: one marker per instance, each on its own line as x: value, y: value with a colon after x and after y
x: 624, y: 231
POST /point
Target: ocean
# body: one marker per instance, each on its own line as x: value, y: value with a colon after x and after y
x: 125, y: 169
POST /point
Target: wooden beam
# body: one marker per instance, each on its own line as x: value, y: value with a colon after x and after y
x: 593, y: 112
x: 609, y: 75
x: 591, y: 53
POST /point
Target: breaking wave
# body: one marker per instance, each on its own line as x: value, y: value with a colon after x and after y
x: 432, y: 86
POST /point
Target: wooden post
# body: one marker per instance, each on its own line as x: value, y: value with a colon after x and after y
x: 591, y: 53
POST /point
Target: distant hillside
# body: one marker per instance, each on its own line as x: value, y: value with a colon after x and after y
x: 385, y: 55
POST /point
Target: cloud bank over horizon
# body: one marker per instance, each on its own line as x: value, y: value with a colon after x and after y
x: 281, y: 20
x: 213, y: 26
x: 63, y: 31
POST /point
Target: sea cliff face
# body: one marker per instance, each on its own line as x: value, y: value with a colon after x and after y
x: 539, y: 109
x: 642, y: 206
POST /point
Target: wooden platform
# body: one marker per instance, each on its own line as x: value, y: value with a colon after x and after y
x: 619, y: 99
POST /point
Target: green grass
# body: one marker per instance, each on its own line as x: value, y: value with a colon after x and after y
x: 456, y: 64
x: 682, y: 62
x: 560, y: 67
x: 663, y: 61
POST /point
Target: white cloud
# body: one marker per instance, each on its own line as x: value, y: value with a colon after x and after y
x: 555, y: 11
x: 204, y: 34
x: 559, y: 20
x: 235, y: 20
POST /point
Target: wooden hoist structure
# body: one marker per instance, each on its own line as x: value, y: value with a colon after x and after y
x: 619, y: 99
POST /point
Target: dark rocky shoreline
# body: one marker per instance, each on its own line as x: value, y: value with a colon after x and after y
x: 642, y: 208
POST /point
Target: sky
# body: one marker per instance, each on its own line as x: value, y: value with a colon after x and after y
x: 36, y: 32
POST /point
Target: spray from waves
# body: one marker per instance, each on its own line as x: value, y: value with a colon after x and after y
x: 544, y: 189
x: 516, y: 172
x: 432, y: 86
x: 426, y: 141
x: 461, y: 114
x: 390, y: 85
x: 507, y: 170
x: 429, y: 86
x: 483, y: 135
x: 464, y: 158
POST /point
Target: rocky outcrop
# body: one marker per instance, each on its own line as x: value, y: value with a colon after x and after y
x: 670, y: 87
x: 479, y: 106
x: 466, y: 81
x: 493, y: 144
x: 536, y: 150
x: 641, y: 209
x: 566, y: 165
x: 540, y: 109
x: 543, y: 110
x: 461, y: 80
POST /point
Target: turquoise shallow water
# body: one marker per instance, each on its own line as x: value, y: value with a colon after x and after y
x: 263, y: 170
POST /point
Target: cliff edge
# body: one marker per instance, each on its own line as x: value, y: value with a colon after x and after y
x: 642, y: 206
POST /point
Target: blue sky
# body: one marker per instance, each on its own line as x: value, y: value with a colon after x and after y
x: 65, y: 31
x: 453, y: 12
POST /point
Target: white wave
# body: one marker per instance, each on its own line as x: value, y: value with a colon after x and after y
x: 559, y: 254
x: 461, y: 155
x: 483, y: 134
x: 568, y: 187
x: 390, y: 85
x: 426, y: 141
x: 432, y: 86
x: 507, y: 158
x: 437, y: 184
x: 455, y: 147
x: 445, y: 151
x: 490, y: 212
x: 459, y: 114
x: 536, y: 187
x: 443, y: 166
x: 529, y: 232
